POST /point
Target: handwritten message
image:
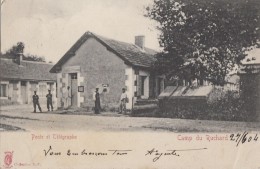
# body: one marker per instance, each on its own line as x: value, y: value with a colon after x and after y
x: 154, y: 153
x: 177, y: 148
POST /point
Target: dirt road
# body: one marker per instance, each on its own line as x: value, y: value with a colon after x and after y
x: 20, y: 118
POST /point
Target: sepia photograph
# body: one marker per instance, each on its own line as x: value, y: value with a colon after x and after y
x: 132, y: 83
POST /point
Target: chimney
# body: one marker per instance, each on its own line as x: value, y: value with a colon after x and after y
x: 19, y: 58
x: 140, y: 41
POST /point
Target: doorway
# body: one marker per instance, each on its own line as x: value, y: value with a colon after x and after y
x: 23, y: 92
x: 160, y: 85
x: 143, y: 87
x: 74, y: 89
x: 142, y: 84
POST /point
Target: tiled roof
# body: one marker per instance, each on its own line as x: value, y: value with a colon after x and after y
x: 130, y: 53
x: 251, y: 64
x: 253, y: 57
x: 28, y: 70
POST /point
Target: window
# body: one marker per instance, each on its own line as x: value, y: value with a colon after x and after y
x: 135, y: 94
x: 74, y: 76
x: 42, y: 90
x: 15, y: 84
x: 33, y: 86
x: 3, y: 90
x: 142, y: 84
x: 50, y: 85
x: 135, y: 83
x: 23, y: 83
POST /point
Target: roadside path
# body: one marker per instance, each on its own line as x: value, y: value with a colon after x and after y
x: 22, y: 118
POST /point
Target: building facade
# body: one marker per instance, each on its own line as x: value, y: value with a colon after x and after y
x: 19, y: 80
x: 250, y: 83
x: 98, y: 62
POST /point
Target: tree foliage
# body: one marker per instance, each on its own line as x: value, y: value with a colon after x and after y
x: 204, y: 39
x: 19, y: 49
x: 16, y: 49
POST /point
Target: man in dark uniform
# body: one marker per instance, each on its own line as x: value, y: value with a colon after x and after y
x: 36, y: 102
x: 49, y: 101
x: 97, y: 102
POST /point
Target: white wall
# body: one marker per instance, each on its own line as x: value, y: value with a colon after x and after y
x: 59, y: 87
x: 80, y: 83
x: 129, y: 83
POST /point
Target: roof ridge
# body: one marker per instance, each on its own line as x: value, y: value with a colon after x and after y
x: 28, y: 61
x: 129, y: 43
x: 114, y: 40
x: 36, y: 62
x: 128, y: 52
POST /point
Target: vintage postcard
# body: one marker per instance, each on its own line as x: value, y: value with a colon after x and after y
x: 130, y: 84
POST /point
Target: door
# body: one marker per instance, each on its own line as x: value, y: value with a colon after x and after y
x: 74, y: 90
x: 23, y: 92
x: 142, y: 85
x: 161, y: 85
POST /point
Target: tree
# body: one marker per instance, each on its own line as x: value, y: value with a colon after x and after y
x: 204, y: 39
x: 36, y: 58
x: 16, y: 49
x: 19, y: 49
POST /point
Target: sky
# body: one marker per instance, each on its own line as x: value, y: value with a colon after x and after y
x: 50, y: 27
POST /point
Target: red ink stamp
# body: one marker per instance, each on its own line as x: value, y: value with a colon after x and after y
x: 8, y: 160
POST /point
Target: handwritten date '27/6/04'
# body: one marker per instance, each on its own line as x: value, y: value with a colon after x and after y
x: 243, y: 138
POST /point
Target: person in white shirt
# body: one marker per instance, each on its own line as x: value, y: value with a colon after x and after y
x: 123, y: 101
x: 66, y: 97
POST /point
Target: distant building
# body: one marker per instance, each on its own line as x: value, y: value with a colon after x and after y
x: 98, y: 62
x: 250, y: 81
x: 19, y: 79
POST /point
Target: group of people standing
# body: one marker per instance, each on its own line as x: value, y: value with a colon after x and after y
x: 36, y: 102
x: 97, y: 108
x: 122, y: 106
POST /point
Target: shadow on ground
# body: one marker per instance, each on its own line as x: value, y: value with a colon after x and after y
x: 4, y: 127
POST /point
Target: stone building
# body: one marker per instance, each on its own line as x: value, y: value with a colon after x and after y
x: 110, y: 65
x: 250, y: 82
x: 20, y: 78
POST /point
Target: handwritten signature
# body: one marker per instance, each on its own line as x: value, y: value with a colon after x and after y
x: 158, y: 154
